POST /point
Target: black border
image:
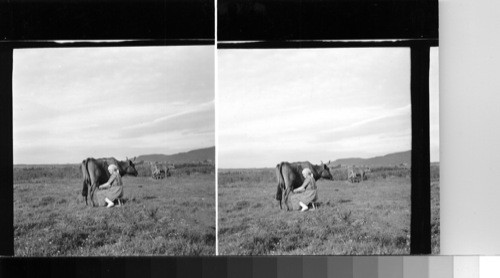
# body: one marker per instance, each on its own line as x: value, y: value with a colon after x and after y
x: 326, y: 44
x: 420, y: 152
x: 6, y: 191
x: 106, y: 20
x: 244, y: 20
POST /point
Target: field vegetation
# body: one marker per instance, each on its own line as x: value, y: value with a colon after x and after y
x: 174, y: 216
x: 371, y: 217
x: 29, y: 173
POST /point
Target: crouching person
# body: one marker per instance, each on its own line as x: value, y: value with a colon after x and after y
x: 112, y: 190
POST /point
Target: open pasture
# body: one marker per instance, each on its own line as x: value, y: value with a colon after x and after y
x: 372, y: 217
x: 174, y: 216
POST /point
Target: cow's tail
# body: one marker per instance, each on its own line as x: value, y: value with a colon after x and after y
x: 86, y: 179
x: 281, y: 192
x: 281, y: 182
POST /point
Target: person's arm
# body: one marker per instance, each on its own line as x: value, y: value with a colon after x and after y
x: 105, y: 186
x: 108, y: 183
x: 303, y: 186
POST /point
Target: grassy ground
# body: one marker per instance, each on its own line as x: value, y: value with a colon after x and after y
x: 174, y: 216
x: 372, y: 217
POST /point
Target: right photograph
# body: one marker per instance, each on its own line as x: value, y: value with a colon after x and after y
x: 314, y: 151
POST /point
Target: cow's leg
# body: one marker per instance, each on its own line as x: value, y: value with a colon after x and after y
x: 91, y: 195
x: 287, y: 193
x: 85, y: 192
x: 92, y: 190
x: 279, y: 195
x: 283, y: 200
x: 283, y: 196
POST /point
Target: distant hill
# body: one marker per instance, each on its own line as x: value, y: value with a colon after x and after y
x: 191, y: 156
x: 386, y: 160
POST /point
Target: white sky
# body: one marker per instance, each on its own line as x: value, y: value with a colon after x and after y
x: 316, y: 104
x: 73, y: 103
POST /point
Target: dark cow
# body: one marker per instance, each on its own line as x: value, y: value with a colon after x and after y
x: 95, y: 172
x: 290, y: 177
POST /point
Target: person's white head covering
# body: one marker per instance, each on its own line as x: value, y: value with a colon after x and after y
x: 112, y: 168
x: 306, y: 172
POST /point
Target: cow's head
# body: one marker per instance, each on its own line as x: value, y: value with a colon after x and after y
x: 130, y: 168
x: 325, y: 172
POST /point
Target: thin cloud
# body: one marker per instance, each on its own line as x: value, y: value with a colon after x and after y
x: 310, y: 104
x: 201, y: 108
x: 70, y: 103
x: 396, y: 119
x: 193, y: 120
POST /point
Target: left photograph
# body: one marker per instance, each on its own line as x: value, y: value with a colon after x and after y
x: 114, y: 151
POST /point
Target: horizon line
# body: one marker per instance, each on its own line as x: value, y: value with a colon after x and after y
x: 71, y: 163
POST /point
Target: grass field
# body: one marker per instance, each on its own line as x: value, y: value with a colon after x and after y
x: 174, y: 216
x: 372, y: 217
